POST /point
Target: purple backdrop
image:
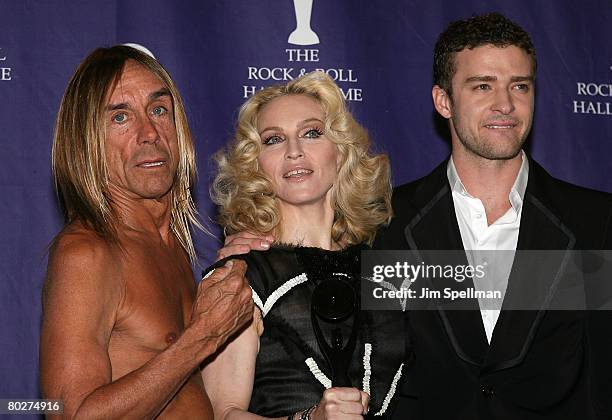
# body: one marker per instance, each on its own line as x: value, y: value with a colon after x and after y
x: 218, y: 51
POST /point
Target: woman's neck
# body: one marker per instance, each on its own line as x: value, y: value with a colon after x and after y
x: 308, y: 225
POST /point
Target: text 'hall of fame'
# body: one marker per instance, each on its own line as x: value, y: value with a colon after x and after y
x: 304, y: 58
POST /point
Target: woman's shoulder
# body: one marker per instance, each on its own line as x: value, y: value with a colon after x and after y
x: 272, y: 268
x: 266, y: 270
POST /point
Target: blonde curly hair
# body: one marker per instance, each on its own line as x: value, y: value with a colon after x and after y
x: 360, y: 197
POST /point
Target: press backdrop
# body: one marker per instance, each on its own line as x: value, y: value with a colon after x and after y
x: 379, y: 51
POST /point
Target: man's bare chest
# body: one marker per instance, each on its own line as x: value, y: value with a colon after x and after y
x: 158, y: 294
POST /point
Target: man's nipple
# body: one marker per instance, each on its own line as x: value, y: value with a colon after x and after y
x: 171, y: 337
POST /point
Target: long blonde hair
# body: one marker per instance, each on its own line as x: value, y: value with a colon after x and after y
x: 78, y: 158
x: 361, y: 196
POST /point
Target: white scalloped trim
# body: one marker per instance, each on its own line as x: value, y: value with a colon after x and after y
x: 278, y: 293
x: 389, y: 286
x: 367, y: 368
x: 341, y: 274
x: 257, y: 300
x: 320, y: 376
x: 391, y: 392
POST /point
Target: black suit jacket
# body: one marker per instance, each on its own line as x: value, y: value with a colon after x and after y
x: 540, y: 363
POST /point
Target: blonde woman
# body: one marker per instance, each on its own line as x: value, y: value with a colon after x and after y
x: 300, y: 169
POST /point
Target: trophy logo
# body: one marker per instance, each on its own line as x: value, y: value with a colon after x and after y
x: 140, y: 48
x: 303, y: 34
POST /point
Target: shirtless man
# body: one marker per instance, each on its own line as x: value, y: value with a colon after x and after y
x: 125, y: 328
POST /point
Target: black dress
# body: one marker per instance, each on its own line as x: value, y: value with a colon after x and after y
x: 291, y: 372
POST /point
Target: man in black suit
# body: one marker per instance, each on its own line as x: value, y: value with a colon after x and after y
x: 483, y: 363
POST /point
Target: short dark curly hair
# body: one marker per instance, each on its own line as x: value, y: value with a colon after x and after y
x: 490, y: 28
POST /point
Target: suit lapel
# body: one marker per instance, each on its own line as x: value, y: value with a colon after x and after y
x: 540, y: 229
x: 434, y: 227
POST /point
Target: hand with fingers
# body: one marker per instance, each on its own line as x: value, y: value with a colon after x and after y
x: 341, y: 403
x: 222, y: 307
x: 243, y: 242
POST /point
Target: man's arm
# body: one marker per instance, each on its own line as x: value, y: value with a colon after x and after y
x: 82, y: 294
x: 600, y: 338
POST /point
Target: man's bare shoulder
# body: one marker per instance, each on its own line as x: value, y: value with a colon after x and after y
x: 80, y: 258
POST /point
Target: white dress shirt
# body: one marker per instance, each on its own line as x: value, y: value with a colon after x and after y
x: 476, y: 235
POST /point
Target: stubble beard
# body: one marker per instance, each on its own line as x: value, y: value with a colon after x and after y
x: 490, y: 149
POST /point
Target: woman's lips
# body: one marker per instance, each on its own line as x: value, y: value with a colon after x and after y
x: 296, y: 173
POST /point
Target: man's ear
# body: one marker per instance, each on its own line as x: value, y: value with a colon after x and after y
x: 441, y: 101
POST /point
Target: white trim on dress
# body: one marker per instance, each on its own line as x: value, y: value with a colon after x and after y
x: 320, y: 376
x: 367, y: 368
x: 391, y: 392
x: 278, y: 293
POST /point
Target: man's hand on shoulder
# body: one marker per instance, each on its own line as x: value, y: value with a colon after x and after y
x: 223, y: 306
